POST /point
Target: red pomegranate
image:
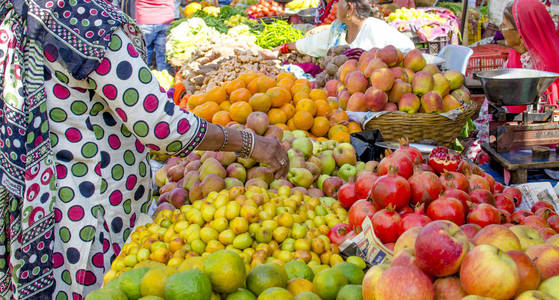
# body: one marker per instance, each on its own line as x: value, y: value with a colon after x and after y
x: 442, y: 160
x: 405, y: 210
x: 400, y: 160
x: 385, y: 225
x: 477, y: 182
x: 425, y: 187
x: 505, y: 202
x: 364, y: 184
x: 428, y: 168
x: 506, y: 217
x: 546, y: 232
x: 519, y: 216
x: 482, y: 196
x: 553, y: 221
x: 414, y: 219
x: 446, y: 208
x: 515, y: 193
x: 391, y: 189
x: 540, y: 204
x: 490, y: 180
x: 544, y: 212
x: 455, y: 180
x: 484, y: 214
x: 460, y: 195
x: 414, y: 153
x: 498, y: 187
x: 359, y: 211
x: 535, y: 222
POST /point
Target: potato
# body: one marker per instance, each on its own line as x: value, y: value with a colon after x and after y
x: 331, y: 69
x: 340, y: 60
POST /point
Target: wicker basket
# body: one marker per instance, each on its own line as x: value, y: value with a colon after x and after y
x: 421, y: 126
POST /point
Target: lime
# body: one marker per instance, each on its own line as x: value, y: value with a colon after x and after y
x: 191, y: 285
x: 102, y: 294
x: 350, y: 292
x: 358, y: 261
x: 266, y: 276
x: 307, y: 296
x: 352, y: 273
x: 130, y: 282
x: 241, y: 294
x: 151, y: 298
x: 298, y: 269
x: 275, y: 293
x: 226, y: 271
x: 327, y: 283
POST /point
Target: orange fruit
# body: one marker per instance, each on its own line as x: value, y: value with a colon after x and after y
x: 241, y: 94
x: 303, y: 120
x: 297, y: 87
x: 354, y: 127
x: 206, y: 110
x: 248, y: 77
x: 321, y: 139
x: 234, y: 85
x: 217, y: 95
x: 260, y: 102
x: 291, y: 125
x: 341, y: 137
x: 320, y: 126
x: 335, y: 129
x: 317, y: 94
x: 282, y: 126
x: 239, y: 112
x: 253, y: 86
x: 333, y: 103
x: 287, y: 75
x: 300, y: 96
x: 285, y: 83
x: 289, y: 110
x: 279, y: 96
x: 303, y: 81
x: 221, y: 118
x: 306, y: 105
x: 277, y: 116
x: 196, y: 100
x: 265, y: 82
x: 338, y: 116
x: 225, y: 105
x: 322, y: 108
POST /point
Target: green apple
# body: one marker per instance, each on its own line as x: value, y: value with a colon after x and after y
x: 347, y: 171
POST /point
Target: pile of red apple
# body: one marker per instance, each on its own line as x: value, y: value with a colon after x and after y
x: 387, y: 80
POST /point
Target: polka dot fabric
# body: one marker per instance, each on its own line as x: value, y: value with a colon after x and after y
x: 100, y: 127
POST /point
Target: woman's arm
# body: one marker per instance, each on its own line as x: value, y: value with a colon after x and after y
x: 134, y: 95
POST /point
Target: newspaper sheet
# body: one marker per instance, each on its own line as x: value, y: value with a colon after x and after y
x: 367, y: 246
x: 538, y: 191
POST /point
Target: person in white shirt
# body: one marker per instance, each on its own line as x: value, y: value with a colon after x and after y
x: 355, y: 27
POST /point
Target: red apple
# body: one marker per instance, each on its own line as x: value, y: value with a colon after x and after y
x: 527, y: 271
x: 546, y: 258
x: 505, y: 202
x: 407, y: 240
x: 448, y: 288
x: 370, y: 281
x: 404, y: 258
x: 535, y: 222
x: 527, y: 236
x: 488, y: 272
x: 484, y: 214
x: 346, y: 195
x: 553, y: 221
x: 440, y: 248
x: 498, y: 236
x: 515, y: 193
x: 404, y: 283
x: 498, y: 187
x: 470, y: 230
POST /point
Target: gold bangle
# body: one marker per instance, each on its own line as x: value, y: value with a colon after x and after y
x: 225, y: 138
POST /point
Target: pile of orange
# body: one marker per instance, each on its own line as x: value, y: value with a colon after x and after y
x: 289, y: 102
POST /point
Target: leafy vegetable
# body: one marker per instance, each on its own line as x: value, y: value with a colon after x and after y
x: 277, y: 33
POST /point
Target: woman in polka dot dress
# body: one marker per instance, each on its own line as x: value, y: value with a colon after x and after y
x: 79, y: 109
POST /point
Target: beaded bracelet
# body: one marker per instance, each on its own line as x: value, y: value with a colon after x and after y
x: 225, y: 138
x: 247, y: 144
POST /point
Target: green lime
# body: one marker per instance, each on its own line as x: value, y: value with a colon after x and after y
x: 191, y: 285
x: 130, y: 282
x: 350, y: 292
x: 352, y: 273
x: 298, y: 269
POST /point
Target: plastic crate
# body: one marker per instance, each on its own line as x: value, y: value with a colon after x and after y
x: 487, y: 57
x: 431, y: 47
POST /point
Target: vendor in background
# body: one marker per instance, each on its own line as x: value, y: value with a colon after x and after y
x: 323, y: 11
x: 530, y: 33
x: 356, y: 26
x: 154, y: 18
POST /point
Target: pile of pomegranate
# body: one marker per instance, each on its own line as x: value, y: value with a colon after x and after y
x: 406, y: 191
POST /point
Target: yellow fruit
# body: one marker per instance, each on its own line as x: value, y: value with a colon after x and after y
x: 275, y: 293
x: 153, y: 282
x: 279, y: 96
x: 239, y: 111
x: 306, y: 105
x: 192, y: 285
x: 226, y: 271
x: 303, y: 120
x: 260, y: 102
x: 299, y: 285
x: 206, y: 110
x: 277, y: 116
x: 320, y: 126
x: 317, y: 94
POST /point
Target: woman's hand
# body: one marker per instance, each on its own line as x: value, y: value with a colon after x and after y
x: 269, y: 151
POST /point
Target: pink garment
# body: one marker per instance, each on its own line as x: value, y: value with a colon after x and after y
x: 405, y: 3
x: 540, y: 39
x: 155, y: 12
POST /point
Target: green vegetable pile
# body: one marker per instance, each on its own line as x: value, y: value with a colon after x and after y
x: 277, y: 33
x: 218, y: 23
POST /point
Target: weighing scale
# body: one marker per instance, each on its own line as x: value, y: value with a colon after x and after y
x: 520, y: 142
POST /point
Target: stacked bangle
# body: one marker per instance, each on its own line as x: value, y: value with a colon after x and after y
x: 284, y: 49
x: 225, y: 138
x: 247, y: 146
